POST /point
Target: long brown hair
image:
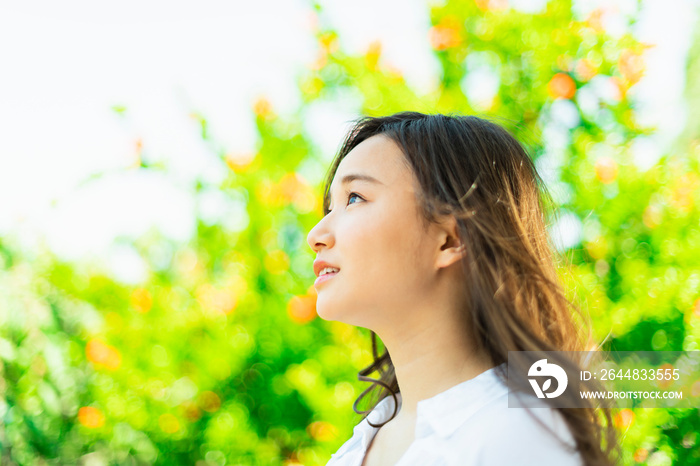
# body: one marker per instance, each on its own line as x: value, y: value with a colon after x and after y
x: 477, y: 171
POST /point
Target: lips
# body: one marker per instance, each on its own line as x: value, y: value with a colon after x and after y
x: 320, y: 265
x: 324, y: 278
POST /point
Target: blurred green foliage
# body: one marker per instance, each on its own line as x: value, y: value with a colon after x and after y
x: 219, y: 358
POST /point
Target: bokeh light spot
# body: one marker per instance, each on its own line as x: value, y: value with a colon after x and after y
x: 91, y: 417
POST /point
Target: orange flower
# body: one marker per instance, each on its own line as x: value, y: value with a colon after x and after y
x: 696, y: 308
x: 91, y: 417
x: 295, y: 189
x: 585, y: 69
x: 664, y: 383
x: 620, y: 86
x: 290, y: 185
x: 446, y: 34
x: 595, y: 19
x: 631, y: 65
x: 216, y: 299
x: 640, y: 455
x: 102, y: 354
x: 322, y: 431
x: 305, y: 200
x: 302, y: 309
x: 263, y: 108
x: 372, y: 56
x: 624, y: 419
x: 652, y: 216
x: 561, y: 86
x: 606, y: 170
x: 239, y: 161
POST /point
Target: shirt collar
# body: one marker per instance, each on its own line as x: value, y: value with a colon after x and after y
x: 443, y: 413
x: 381, y: 413
x: 447, y: 411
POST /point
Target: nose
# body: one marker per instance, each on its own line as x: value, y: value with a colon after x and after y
x: 320, y: 236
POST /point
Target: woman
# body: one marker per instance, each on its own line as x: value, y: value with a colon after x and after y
x: 434, y: 238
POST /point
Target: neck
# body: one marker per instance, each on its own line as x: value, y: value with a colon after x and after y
x: 430, y: 362
x: 431, y: 345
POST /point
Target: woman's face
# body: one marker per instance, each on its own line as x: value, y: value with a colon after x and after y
x: 374, y: 236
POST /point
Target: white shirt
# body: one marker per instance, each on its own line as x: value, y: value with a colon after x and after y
x: 470, y: 424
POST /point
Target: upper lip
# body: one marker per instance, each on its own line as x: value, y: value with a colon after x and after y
x: 320, y: 265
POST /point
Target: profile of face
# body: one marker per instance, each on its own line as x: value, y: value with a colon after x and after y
x: 388, y: 262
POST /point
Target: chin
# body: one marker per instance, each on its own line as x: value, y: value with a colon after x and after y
x: 329, y: 312
x: 324, y: 311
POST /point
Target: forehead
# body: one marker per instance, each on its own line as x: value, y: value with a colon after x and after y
x: 377, y: 156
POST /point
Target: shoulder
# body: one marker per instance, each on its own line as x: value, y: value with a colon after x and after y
x: 499, y: 435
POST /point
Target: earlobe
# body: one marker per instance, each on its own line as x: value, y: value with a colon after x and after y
x: 452, y: 249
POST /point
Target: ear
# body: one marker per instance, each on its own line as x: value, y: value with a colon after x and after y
x: 450, y: 248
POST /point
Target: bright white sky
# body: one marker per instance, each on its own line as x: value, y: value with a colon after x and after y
x: 65, y: 64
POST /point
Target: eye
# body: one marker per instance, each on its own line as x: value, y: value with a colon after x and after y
x: 350, y: 196
x: 353, y: 194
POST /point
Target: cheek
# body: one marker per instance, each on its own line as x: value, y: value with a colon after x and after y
x: 385, y: 254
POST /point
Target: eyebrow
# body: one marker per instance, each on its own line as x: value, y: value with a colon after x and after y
x: 359, y: 176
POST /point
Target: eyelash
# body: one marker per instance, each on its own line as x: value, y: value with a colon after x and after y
x: 349, y: 195
x: 353, y: 194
